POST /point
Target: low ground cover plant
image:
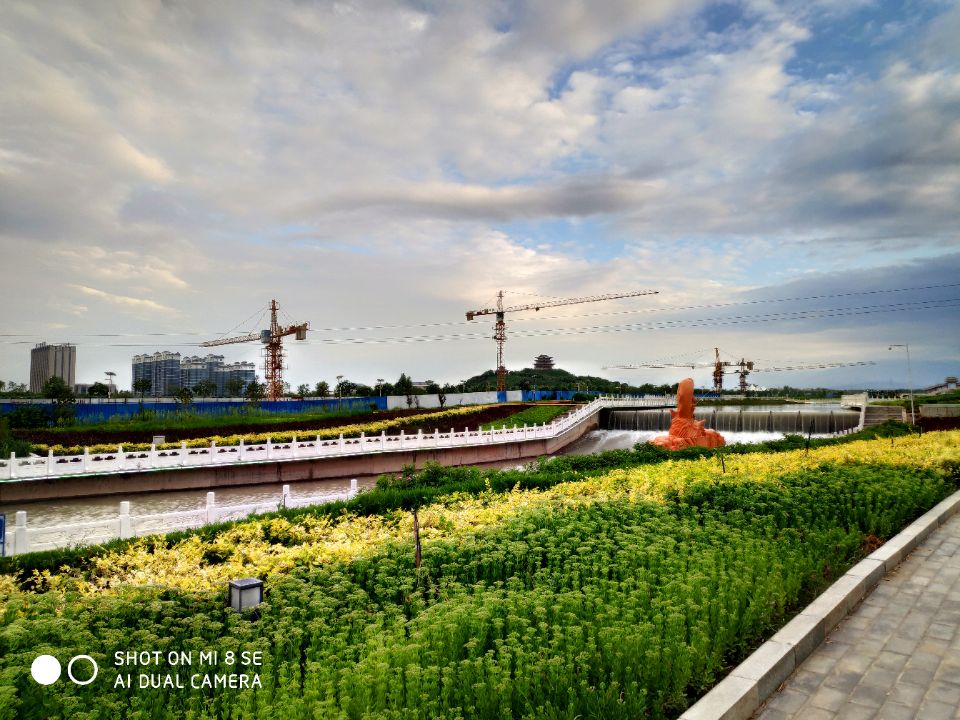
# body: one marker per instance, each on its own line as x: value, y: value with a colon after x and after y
x: 530, y: 416
x: 625, y: 594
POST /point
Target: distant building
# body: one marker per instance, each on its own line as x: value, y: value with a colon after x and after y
x: 543, y: 362
x: 47, y: 361
x: 245, y: 372
x: 194, y: 370
x: 84, y: 389
x: 950, y: 383
x: 168, y: 372
x: 162, y: 369
x: 423, y: 384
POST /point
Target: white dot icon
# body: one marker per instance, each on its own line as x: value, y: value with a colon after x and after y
x: 45, y: 669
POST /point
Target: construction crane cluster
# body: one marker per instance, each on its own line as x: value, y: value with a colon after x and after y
x: 500, y: 326
x: 742, y: 368
x: 272, y: 340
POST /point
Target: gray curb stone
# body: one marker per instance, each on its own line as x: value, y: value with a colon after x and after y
x: 740, y: 694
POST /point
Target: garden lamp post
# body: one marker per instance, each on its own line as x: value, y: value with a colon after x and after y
x: 380, y: 385
x: 339, y: 392
x: 906, y: 347
x: 246, y: 593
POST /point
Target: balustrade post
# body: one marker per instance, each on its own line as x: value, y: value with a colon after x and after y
x: 211, y: 507
x: 121, y: 458
x: 526, y: 432
x: 49, y: 461
x: 213, y: 452
x: 21, y: 542
x: 353, y: 487
x: 383, y: 439
x: 240, y: 454
x: 401, y: 439
x: 436, y: 437
x: 13, y: 465
x: 151, y: 459
x: 86, y: 458
x: 269, y: 448
x: 419, y: 438
x: 294, y: 445
x: 340, y: 442
x: 125, y: 520
x: 363, y: 441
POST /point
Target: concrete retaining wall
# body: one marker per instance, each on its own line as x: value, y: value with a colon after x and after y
x: 940, y: 411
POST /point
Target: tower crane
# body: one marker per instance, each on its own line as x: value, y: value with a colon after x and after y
x: 742, y: 368
x: 272, y: 340
x: 500, y: 326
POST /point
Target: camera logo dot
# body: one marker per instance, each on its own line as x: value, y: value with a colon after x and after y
x: 89, y: 659
x: 45, y: 669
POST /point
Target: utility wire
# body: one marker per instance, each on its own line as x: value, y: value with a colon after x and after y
x: 659, y: 325
x: 630, y: 327
x: 532, y: 318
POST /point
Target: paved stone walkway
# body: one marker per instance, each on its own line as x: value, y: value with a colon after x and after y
x: 897, y: 656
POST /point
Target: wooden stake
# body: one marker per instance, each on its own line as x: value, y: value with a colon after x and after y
x: 416, y: 539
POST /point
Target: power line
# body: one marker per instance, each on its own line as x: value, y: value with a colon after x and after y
x: 533, y: 318
x: 659, y: 325
x: 592, y: 329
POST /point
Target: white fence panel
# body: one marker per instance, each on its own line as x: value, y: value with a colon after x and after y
x: 23, y: 539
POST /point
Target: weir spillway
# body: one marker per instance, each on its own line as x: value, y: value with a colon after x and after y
x: 783, y: 421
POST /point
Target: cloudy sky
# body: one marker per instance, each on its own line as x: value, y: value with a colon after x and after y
x: 785, y: 174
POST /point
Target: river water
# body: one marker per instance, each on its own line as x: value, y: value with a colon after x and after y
x: 81, y: 510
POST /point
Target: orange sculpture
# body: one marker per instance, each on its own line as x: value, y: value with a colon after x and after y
x: 684, y: 430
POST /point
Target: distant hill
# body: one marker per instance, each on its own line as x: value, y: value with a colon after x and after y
x: 557, y: 379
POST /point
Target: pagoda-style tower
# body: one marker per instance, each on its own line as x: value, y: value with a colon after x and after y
x: 543, y: 362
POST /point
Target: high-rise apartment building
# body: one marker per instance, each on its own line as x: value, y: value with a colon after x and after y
x: 47, y: 361
x: 195, y: 369
x: 245, y: 372
x: 168, y: 372
x: 162, y: 369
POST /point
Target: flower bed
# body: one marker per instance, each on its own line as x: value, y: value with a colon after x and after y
x: 352, y: 430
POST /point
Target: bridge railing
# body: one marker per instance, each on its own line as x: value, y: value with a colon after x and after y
x: 300, y: 447
x: 22, y: 538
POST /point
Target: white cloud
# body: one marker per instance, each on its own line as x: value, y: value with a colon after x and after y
x: 123, y: 300
x: 371, y: 160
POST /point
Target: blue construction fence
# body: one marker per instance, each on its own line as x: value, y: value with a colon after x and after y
x: 88, y: 410
x: 539, y: 395
x: 106, y: 409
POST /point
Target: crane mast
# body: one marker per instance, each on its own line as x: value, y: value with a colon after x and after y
x: 500, y: 325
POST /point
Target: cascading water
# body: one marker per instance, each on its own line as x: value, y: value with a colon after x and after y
x: 741, y: 421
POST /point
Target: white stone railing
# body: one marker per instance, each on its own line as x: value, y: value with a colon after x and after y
x: 855, y: 400
x: 299, y: 448
x: 21, y: 538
